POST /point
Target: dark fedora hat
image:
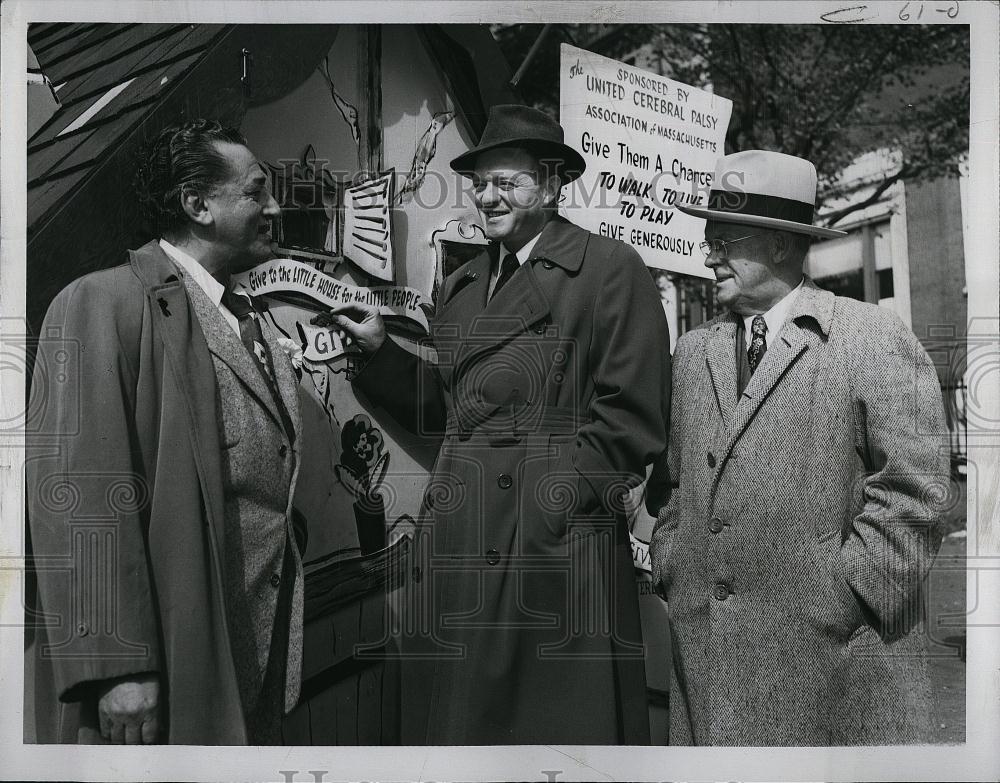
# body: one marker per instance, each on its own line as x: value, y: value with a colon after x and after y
x: 511, y: 125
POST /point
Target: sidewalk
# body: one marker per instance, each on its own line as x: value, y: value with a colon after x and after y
x: 946, y: 639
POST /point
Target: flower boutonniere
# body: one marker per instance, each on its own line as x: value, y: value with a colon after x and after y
x: 293, y: 350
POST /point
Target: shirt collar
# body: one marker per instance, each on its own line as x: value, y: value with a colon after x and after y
x: 524, y: 253
x: 213, y: 288
x: 776, y: 316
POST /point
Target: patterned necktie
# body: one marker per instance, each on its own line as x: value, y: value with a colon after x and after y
x: 758, y: 342
x: 253, y: 340
x: 507, y: 270
x: 250, y: 334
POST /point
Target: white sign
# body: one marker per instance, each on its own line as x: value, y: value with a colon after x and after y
x: 322, y: 344
x: 649, y: 143
x: 284, y: 274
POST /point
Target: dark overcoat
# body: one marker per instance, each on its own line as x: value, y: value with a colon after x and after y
x: 794, y: 548
x: 130, y: 500
x: 552, y: 398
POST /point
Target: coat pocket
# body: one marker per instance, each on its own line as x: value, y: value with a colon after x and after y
x: 846, y: 616
x: 661, y: 551
x: 557, y: 491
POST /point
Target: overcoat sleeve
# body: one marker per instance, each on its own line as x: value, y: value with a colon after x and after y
x: 900, y: 435
x: 87, y: 496
x: 663, y: 488
x: 407, y: 386
x: 625, y: 425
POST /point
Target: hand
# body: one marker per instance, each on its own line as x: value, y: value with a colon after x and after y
x: 361, y: 324
x: 129, y: 710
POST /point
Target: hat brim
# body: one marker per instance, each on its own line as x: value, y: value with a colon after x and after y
x: 765, y: 222
x: 570, y: 162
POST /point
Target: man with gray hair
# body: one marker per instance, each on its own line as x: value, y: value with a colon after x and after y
x: 804, y: 475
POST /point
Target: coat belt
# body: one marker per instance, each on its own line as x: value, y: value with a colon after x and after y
x: 510, y: 423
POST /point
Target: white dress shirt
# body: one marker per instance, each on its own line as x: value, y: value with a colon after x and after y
x: 213, y: 288
x: 522, y: 255
x: 774, y: 318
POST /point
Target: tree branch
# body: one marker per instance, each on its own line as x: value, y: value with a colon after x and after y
x: 875, y: 195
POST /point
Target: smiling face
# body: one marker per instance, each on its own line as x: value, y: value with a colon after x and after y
x: 512, y: 195
x: 747, y: 280
x: 241, y: 208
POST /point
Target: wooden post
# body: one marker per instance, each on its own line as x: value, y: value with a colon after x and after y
x: 370, y: 98
x: 868, y: 274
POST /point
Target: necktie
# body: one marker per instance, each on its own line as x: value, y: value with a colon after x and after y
x: 507, y: 270
x: 253, y: 340
x: 250, y: 333
x: 758, y: 342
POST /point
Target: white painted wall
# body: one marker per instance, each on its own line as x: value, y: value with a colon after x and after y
x: 412, y: 92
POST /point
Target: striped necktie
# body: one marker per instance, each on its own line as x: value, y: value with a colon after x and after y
x: 250, y: 333
x: 253, y: 340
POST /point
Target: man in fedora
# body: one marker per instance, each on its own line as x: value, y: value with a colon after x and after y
x: 551, y: 391
x: 806, y: 472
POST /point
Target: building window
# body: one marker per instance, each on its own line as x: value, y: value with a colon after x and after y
x: 858, y: 265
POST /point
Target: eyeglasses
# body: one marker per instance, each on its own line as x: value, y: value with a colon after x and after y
x: 718, y: 246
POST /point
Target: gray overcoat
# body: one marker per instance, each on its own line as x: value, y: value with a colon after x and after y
x: 552, y: 399
x: 795, y: 544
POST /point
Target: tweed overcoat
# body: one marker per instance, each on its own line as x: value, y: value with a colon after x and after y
x: 551, y: 398
x: 140, y: 476
x: 802, y: 521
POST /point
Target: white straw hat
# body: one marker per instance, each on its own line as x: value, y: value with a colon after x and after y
x: 762, y: 188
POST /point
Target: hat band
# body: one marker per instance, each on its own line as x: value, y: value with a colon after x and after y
x: 774, y: 207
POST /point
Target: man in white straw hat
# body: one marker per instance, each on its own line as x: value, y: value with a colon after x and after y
x: 806, y: 473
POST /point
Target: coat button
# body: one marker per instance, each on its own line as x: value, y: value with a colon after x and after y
x: 282, y: 450
x: 721, y: 591
x: 540, y: 329
x: 716, y: 525
x: 492, y: 556
x: 547, y: 264
x: 711, y: 460
x: 275, y: 580
x: 82, y: 630
x: 504, y: 481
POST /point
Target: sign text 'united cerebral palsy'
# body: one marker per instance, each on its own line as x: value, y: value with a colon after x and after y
x: 649, y: 143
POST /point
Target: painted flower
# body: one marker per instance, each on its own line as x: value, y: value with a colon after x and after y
x: 361, y: 445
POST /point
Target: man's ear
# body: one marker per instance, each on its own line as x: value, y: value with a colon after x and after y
x: 552, y: 185
x: 781, y: 248
x: 196, y: 207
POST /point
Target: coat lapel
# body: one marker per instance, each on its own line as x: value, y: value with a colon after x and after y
x: 467, y: 294
x: 516, y: 308
x: 808, y: 323
x: 720, y: 354
x: 226, y: 346
x: 470, y: 328
x: 466, y: 298
x: 185, y: 348
x: 284, y: 375
x: 785, y: 351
